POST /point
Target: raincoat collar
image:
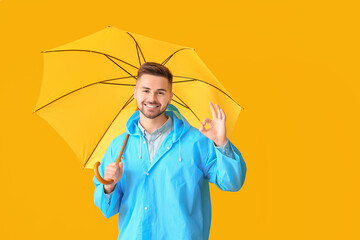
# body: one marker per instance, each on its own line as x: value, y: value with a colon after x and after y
x: 181, y: 125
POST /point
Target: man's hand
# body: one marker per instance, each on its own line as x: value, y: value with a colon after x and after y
x: 114, y: 171
x: 217, y: 128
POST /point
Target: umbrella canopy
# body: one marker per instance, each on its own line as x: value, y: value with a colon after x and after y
x: 87, y: 88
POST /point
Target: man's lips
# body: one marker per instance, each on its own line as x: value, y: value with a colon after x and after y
x: 152, y: 106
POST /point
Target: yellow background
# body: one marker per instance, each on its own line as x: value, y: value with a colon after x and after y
x: 293, y: 65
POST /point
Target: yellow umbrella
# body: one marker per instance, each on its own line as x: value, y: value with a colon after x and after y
x: 87, y: 88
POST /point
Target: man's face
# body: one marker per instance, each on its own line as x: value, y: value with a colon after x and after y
x: 152, y: 94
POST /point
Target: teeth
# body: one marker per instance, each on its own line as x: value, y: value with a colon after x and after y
x: 151, y: 106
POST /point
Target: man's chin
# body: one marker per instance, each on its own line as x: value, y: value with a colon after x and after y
x: 151, y: 115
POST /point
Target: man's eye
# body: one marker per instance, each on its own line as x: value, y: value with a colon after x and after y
x: 160, y: 93
x: 146, y: 91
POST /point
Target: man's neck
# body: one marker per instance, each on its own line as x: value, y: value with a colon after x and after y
x: 150, y: 125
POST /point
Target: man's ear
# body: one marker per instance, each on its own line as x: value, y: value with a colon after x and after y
x: 172, y: 94
x: 134, y: 92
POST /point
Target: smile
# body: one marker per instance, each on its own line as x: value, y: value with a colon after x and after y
x: 151, y: 106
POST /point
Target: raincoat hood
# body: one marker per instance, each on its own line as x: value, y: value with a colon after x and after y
x: 181, y: 125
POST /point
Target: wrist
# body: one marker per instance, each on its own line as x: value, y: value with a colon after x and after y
x: 109, y: 188
x: 220, y: 143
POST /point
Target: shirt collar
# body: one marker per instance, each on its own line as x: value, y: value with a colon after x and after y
x: 166, y: 126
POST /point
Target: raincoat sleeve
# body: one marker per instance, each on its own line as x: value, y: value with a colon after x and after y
x: 109, y: 204
x: 225, y: 167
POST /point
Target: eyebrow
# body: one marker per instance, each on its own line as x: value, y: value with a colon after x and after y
x: 160, y: 89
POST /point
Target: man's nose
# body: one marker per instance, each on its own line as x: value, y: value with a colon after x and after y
x: 152, y: 97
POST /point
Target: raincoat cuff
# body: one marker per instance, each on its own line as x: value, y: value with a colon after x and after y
x: 225, y: 149
x: 223, y: 146
x: 108, y: 196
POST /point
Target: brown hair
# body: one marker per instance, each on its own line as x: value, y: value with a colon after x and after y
x: 156, y: 69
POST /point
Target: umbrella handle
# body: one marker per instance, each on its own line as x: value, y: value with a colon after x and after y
x: 98, y: 177
x: 97, y: 164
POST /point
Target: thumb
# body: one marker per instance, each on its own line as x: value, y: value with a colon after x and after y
x: 120, y: 164
x: 202, y: 128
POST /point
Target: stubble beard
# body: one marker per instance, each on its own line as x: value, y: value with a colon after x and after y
x: 151, y: 116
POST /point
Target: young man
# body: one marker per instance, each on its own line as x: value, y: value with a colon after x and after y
x: 161, y: 186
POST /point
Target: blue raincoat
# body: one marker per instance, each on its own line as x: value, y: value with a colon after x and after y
x: 168, y: 198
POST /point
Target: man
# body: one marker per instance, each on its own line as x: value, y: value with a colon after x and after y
x: 161, y: 186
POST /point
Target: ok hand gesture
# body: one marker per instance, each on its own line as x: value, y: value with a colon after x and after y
x: 217, y: 129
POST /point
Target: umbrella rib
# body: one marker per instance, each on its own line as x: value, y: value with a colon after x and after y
x: 137, y: 51
x: 90, y: 51
x: 181, y: 104
x: 121, y: 84
x: 137, y: 46
x: 126, y: 104
x: 171, y: 55
x: 112, y: 79
x: 120, y: 66
x: 128, y: 101
x: 101, y: 82
x: 186, y: 106
x: 199, y: 80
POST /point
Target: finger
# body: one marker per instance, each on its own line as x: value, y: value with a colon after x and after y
x: 218, y: 111
x: 202, y: 129
x: 110, y: 170
x: 114, y: 167
x: 108, y: 167
x: 121, y: 165
x: 203, y: 124
x: 109, y: 173
x: 223, y: 114
x: 206, y: 121
x: 113, y: 164
x: 213, y: 111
